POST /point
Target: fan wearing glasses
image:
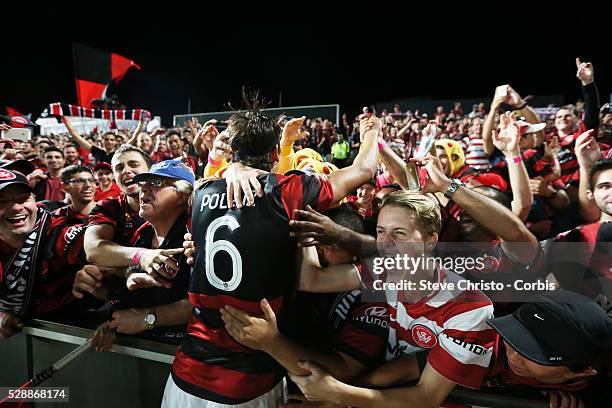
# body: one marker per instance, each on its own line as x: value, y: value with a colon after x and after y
x: 153, y: 302
x: 79, y: 185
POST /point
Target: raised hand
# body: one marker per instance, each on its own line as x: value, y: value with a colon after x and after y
x: 552, y: 149
x: 584, y: 72
x: 507, y: 138
x: 587, y: 150
x: 292, y: 131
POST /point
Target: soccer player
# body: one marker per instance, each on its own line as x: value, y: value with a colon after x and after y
x: 244, y: 255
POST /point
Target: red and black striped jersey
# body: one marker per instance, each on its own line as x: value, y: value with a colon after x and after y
x: 360, y: 329
x: 118, y: 213
x: 243, y: 255
x: 567, y: 158
x: 580, y: 259
x: 63, y: 256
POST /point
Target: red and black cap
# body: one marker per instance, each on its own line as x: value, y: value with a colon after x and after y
x: 558, y: 328
x: 9, y: 178
x: 21, y: 165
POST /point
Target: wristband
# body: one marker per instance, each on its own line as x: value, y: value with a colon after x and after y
x: 137, y: 255
x: 381, y: 145
x: 521, y: 107
x: 214, y: 163
x: 515, y: 159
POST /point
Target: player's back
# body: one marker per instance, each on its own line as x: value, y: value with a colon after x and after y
x: 242, y: 256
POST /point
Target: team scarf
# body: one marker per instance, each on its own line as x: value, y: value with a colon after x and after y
x: 64, y: 109
x: 19, y: 278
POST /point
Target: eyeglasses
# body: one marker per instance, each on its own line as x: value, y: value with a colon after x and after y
x: 81, y: 181
x: 155, y: 183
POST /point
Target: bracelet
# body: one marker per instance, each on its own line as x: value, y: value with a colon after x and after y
x: 521, y: 107
x: 137, y: 255
x: 214, y: 163
x: 382, y: 145
x: 515, y: 159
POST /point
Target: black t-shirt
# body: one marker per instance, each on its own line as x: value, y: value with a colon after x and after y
x: 100, y: 155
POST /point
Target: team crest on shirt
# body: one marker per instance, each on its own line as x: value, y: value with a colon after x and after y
x: 423, y: 336
x: 490, y: 264
x: 6, y: 175
x: 72, y: 232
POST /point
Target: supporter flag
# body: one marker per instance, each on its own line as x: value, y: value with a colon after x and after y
x: 94, y: 69
x: 16, y: 119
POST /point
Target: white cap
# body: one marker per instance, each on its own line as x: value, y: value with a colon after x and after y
x: 527, y: 127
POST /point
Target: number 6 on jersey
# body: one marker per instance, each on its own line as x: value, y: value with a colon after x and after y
x: 212, y: 247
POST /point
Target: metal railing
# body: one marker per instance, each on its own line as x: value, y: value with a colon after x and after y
x: 164, y: 353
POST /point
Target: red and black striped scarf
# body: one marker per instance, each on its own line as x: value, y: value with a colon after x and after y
x: 64, y: 109
x: 19, y: 278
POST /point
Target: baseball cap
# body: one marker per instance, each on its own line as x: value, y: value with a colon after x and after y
x: 23, y: 166
x: 527, y: 127
x: 11, y: 177
x: 557, y: 328
x: 174, y: 169
x: 102, y: 165
x: 491, y: 180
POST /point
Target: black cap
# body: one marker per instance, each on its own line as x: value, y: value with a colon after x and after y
x: 23, y: 166
x: 557, y: 328
x: 9, y: 178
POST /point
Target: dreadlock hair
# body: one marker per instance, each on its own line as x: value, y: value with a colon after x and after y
x: 253, y: 135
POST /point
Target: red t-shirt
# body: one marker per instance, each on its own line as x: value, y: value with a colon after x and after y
x: 54, y: 190
x: 112, y: 192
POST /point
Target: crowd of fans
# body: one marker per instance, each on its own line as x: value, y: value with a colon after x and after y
x: 252, y: 244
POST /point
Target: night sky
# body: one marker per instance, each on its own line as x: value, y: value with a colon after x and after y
x: 454, y: 57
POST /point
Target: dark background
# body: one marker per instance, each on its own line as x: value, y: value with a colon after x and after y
x: 316, y: 60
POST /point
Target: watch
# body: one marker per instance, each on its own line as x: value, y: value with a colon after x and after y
x: 455, y: 184
x: 150, y: 319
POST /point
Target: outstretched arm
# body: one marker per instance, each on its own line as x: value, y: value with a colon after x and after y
x: 75, y: 135
x: 364, y: 166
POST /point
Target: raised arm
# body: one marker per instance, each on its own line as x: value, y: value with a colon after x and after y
x: 364, y: 166
x: 518, y: 242
x: 75, y: 135
x: 394, y: 163
x: 139, y: 128
x: 586, y: 74
x: 506, y: 140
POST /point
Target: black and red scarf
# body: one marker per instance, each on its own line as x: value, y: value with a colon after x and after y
x: 64, y: 109
x: 19, y: 278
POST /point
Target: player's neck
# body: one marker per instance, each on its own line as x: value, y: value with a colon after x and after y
x: 162, y: 225
x: 14, y: 241
x: 133, y: 202
x: 80, y: 207
x: 605, y: 217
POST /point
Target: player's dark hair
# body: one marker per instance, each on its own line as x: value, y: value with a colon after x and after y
x: 53, y: 149
x: 131, y: 148
x: 252, y: 134
x: 71, y: 145
x: 174, y: 132
x: 68, y: 173
x: 598, y: 167
x: 346, y: 217
x: 495, y: 194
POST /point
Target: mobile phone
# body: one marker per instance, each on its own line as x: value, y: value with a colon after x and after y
x: 18, y: 134
x: 501, y: 90
x: 368, y: 111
